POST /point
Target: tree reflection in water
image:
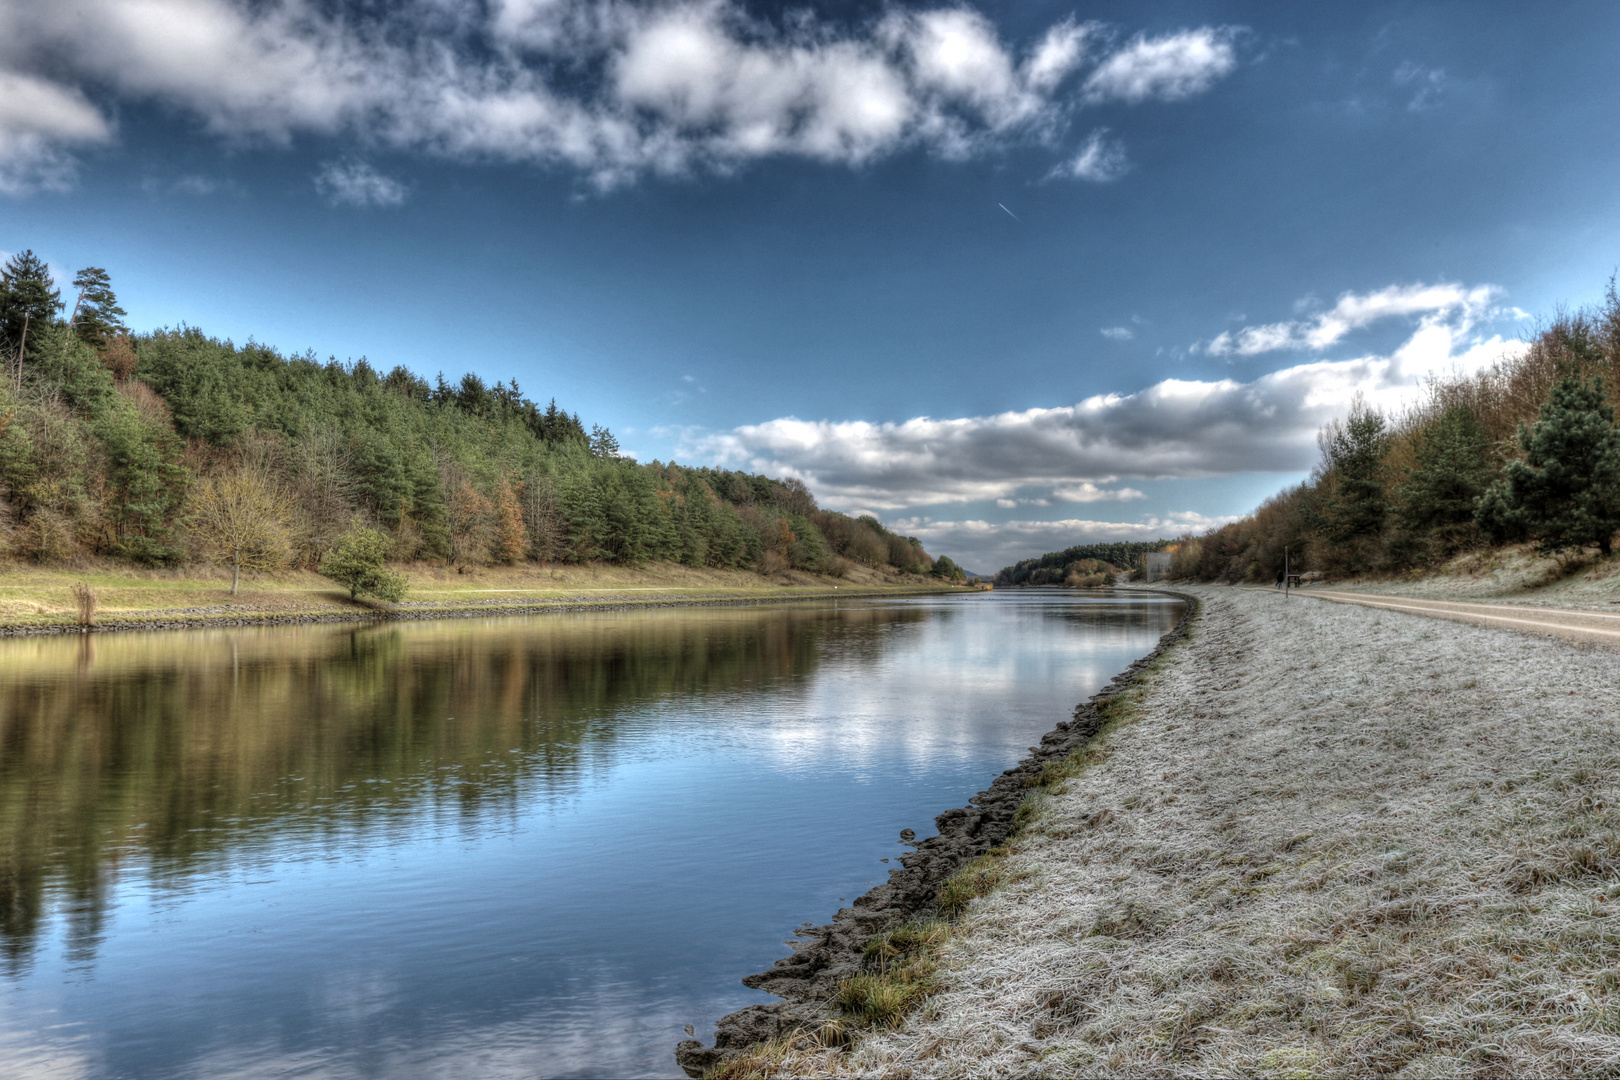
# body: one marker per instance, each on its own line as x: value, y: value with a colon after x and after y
x: 176, y: 753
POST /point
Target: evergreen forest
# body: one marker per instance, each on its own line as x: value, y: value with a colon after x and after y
x: 172, y: 447
x: 1524, y: 452
x: 1075, y: 565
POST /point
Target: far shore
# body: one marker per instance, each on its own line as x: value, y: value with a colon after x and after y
x: 41, y: 600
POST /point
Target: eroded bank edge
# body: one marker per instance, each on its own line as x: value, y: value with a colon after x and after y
x: 808, y: 981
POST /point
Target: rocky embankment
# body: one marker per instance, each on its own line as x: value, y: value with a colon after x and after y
x: 1333, y: 842
x: 808, y: 979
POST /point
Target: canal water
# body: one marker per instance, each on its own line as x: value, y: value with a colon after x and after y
x: 499, y: 848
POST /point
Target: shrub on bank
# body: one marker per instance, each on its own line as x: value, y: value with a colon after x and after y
x: 357, y: 562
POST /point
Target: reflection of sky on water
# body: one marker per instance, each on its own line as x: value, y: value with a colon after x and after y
x: 957, y: 685
x: 543, y: 928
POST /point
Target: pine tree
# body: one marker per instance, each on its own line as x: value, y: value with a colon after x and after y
x: 1566, y: 492
x: 97, y: 318
x: 1353, y: 457
x: 27, y: 299
x: 603, y: 442
x: 1452, y: 470
x: 148, y: 483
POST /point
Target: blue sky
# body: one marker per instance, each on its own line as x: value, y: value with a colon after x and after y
x: 1011, y: 276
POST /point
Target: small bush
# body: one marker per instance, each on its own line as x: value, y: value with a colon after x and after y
x: 357, y: 562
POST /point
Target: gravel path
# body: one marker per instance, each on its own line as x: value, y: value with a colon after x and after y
x: 1334, y: 841
x: 1571, y: 623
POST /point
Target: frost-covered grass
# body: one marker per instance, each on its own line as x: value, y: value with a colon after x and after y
x: 1328, y: 841
x: 1511, y: 575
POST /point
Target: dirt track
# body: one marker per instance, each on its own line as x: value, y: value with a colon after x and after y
x: 1559, y: 622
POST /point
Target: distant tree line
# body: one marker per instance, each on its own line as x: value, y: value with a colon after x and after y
x: 1082, y: 565
x: 1525, y: 451
x: 170, y: 447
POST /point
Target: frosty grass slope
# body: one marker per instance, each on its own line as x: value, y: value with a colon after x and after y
x: 1330, y: 841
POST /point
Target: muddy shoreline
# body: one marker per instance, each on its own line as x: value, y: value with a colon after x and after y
x: 477, y: 610
x: 808, y: 979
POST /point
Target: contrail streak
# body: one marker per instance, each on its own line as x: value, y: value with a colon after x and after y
x: 1010, y: 214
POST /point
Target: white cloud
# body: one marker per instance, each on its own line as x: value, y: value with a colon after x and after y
x: 1427, y: 85
x: 1118, y: 333
x: 1167, y: 68
x: 39, y: 122
x: 196, y: 185
x: 1355, y: 311
x: 986, y: 546
x: 612, y: 88
x: 1086, y: 492
x: 1060, y: 52
x: 1173, y: 428
x: 356, y: 183
x: 1099, y: 160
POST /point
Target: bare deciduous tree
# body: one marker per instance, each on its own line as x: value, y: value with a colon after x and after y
x: 242, y: 519
x: 327, y: 489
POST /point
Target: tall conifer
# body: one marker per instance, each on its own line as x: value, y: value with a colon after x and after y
x: 97, y: 317
x: 26, y: 296
x: 1566, y: 492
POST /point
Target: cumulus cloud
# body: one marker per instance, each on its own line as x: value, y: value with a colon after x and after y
x: 1353, y: 312
x: 356, y: 183
x: 1173, y: 428
x: 40, y: 121
x: 1100, y: 160
x: 986, y: 546
x: 613, y: 88
x: 1118, y: 333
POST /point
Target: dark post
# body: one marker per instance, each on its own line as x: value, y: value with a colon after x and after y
x: 1286, y: 582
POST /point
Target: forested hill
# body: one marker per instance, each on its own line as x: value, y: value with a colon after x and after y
x: 1055, y: 567
x: 1525, y: 450
x: 110, y: 441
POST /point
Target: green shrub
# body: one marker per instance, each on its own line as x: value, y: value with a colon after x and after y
x: 357, y: 561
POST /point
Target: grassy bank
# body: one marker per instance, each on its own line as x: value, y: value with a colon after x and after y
x: 1326, y: 841
x: 1514, y: 574
x: 903, y: 967
x: 39, y: 599
x: 895, y: 973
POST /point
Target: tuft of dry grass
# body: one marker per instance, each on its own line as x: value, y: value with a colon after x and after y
x: 968, y: 884
x: 1319, y: 841
x: 84, y: 599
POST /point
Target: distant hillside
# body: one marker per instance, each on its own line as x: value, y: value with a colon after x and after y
x: 1524, y: 450
x: 127, y: 445
x: 1053, y: 568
